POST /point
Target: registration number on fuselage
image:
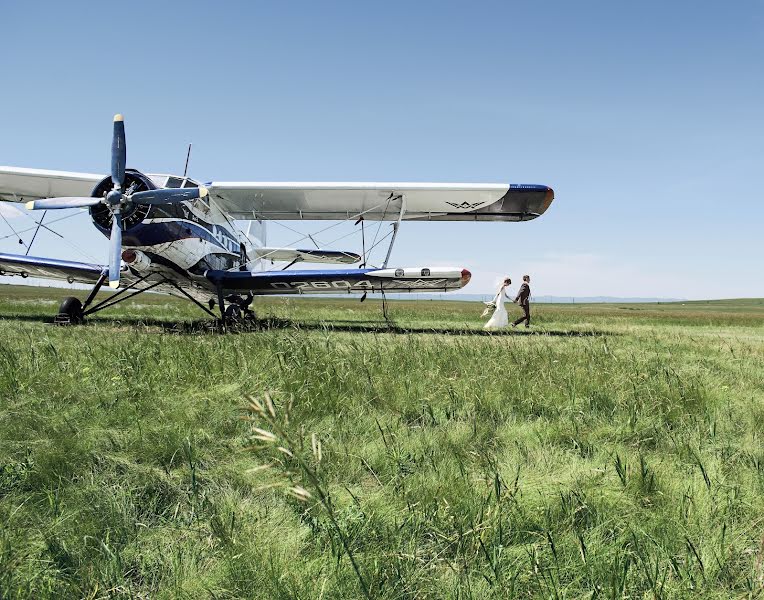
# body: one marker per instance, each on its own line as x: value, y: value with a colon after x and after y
x: 322, y: 285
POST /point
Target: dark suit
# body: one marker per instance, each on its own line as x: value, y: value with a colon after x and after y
x: 523, y: 299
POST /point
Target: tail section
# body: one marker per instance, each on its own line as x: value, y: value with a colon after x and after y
x: 256, y: 238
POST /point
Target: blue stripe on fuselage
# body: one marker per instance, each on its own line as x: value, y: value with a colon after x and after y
x: 152, y: 234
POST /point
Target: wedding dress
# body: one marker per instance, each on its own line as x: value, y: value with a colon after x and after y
x: 499, y: 317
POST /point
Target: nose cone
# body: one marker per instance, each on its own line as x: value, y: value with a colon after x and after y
x: 466, y: 276
x: 114, y: 197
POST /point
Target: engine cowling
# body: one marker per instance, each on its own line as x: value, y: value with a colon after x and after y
x: 135, y: 181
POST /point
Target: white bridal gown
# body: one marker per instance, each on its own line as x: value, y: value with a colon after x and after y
x: 499, y: 317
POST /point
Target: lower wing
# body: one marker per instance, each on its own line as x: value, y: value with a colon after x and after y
x: 88, y: 273
x: 50, y: 268
x: 342, y: 281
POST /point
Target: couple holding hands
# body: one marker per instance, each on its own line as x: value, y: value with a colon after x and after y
x: 499, y: 318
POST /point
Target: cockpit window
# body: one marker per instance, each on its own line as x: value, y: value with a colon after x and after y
x: 159, y: 180
x: 180, y: 182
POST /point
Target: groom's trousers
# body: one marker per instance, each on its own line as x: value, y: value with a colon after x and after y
x: 526, y: 315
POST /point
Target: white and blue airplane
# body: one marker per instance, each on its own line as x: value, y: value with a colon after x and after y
x: 173, y: 235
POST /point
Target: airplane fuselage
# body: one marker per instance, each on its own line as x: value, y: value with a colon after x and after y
x: 186, y: 237
x: 180, y: 241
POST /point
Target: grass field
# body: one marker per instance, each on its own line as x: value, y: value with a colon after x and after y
x: 614, y: 451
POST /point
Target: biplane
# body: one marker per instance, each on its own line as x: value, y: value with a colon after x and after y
x: 175, y: 235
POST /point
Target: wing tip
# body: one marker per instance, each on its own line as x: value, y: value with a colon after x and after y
x: 548, y: 198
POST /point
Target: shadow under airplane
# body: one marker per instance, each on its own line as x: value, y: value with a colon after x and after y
x: 202, y: 326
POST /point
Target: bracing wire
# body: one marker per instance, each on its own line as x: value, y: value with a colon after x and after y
x: 39, y: 224
x: 325, y: 229
x: 28, y: 229
x: 384, y: 213
x: 12, y: 229
x: 36, y: 231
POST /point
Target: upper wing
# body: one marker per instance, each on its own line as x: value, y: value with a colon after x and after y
x: 267, y: 200
x: 50, y: 268
x: 342, y: 281
x: 380, y: 201
x: 312, y: 256
x: 17, y: 184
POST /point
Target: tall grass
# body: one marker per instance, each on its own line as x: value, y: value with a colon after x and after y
x: 605, y: 456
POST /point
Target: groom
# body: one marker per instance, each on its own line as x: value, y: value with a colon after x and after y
x: 523, y: 299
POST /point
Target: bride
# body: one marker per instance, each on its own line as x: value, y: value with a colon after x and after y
x: 499, y: 318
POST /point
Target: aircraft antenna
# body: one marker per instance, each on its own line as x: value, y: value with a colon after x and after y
x: 188, y: 156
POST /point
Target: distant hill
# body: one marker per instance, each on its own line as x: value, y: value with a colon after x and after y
x: 602, y: 299
x: 542, y: 299
x: 30, y: 284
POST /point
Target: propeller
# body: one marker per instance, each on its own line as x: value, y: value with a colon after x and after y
x: 116, y: 200
x: 69, y: 202
x: 118, y: 153
x: 115, y: 249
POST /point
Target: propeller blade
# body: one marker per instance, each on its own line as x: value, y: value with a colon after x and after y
x: 67, y: 202
x: 115, y: 250
x: 168, y: 195
x: 118, y: 152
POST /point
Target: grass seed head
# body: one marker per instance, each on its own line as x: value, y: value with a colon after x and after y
x: 256, y: 406
x: 258, y: 468
x: 265, y: 436
x: 315, y: 445
x: 300, y: 493
x: 269, y: 404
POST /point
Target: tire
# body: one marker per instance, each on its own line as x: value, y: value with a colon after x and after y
x: 71, y: 309
x: 232, y: 313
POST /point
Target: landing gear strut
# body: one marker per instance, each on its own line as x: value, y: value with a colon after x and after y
x: 73, y: 312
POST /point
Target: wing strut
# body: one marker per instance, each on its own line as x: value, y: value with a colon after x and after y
x: 363, y: 239
x: 396, y: 225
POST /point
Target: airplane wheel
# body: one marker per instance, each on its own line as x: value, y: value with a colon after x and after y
x: 71, y: 311
x: 232, y: 313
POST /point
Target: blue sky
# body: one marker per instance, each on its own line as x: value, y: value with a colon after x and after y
x: 646, y: 118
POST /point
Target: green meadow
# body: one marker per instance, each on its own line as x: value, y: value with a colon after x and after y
x: 612, y: 451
